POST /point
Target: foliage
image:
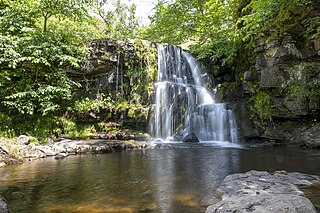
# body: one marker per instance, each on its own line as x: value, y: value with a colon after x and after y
x: 272, y: 17
x: 262, y: 106
x: 209, y: 26
x: 142, y: 73
x: 35, y: 61
x: 33, y: 64
x: 305, y: 82
x: 221, y: 29
x: 121, y: 21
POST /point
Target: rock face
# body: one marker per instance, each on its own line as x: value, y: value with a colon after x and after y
x: 109, y: 74
x: 311, y: 137
x: 4, y: 206
x: 280, y: 86
x: 256, y: 191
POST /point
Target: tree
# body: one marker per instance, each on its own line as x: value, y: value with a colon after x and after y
x: 71, y: 9
x: 33, y: 63
x: 121, y: 22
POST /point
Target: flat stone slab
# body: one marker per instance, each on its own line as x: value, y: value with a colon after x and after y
x: 257, y: 191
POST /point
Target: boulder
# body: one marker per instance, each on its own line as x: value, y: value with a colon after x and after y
x: 23, y: 140
x: 4, y: 206
x: 31, y: 151
x: 47, y: 150
x: 190, y: 137
x: 311, y: 137
x: 257, y: 191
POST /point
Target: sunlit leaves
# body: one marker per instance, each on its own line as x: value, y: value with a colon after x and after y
x: 33, y: 63
x: 121, y: 21
x: 209, y: 25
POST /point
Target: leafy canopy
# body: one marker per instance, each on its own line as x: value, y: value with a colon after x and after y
x: 221, y: 28
x: 33, y: 60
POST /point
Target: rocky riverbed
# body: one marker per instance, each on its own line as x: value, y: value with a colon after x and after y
x: 258, y: 191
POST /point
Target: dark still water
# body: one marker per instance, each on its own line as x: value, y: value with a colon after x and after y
x: 160, y: 180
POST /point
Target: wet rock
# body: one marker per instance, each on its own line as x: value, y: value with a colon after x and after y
x: 141, y: 137
x: 250, y: 76
x: 311, y: 137
x: 23, y: 140
x: 4, y: 206
x: 296, y: 108
x: 246, y: 128
x: 191, y: 137
x: 316, y: 43
x: 60, y: 156
x: 275, y: 134
x: 256, y: 191
x: 4, y: 150
x: 103, y: 136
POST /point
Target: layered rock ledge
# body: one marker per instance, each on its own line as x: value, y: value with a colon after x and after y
x: 257, y: 191
x: 14, y: 152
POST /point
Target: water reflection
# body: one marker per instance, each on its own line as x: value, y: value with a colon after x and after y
x: 162, y: 180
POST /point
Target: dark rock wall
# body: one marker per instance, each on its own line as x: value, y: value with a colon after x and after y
x: 110, y: 73
x: 277, y: 64
x: 284, y: 72
x: 107, y: 62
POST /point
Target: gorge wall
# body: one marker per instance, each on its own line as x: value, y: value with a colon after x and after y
x: 277, y: 97
x: 276, y: 100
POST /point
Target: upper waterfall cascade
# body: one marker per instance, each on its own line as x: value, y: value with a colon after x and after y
x: 184, y: 109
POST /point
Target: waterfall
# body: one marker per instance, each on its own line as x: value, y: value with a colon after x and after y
x: 184, y: 109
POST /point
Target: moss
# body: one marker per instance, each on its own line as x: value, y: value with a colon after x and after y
x: 304, y: 81
x: 262, y: 106
x: 227, y: 90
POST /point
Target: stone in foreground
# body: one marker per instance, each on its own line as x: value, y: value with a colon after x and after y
x: 256, y: 191
x: 4, y: 206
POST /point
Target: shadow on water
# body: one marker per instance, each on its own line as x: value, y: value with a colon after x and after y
x: 173, y: 178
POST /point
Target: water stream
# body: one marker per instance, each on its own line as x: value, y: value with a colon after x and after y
x: 180, y: 179
x: 184, y: 108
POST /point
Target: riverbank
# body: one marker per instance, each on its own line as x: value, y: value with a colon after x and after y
x: 16, y: 151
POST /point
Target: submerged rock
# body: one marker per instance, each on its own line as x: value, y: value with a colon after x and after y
x: 4, y: 206
x: 256, y: 191
x: 60, y: 156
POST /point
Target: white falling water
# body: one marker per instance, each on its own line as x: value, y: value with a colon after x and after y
x: 184, y: 109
